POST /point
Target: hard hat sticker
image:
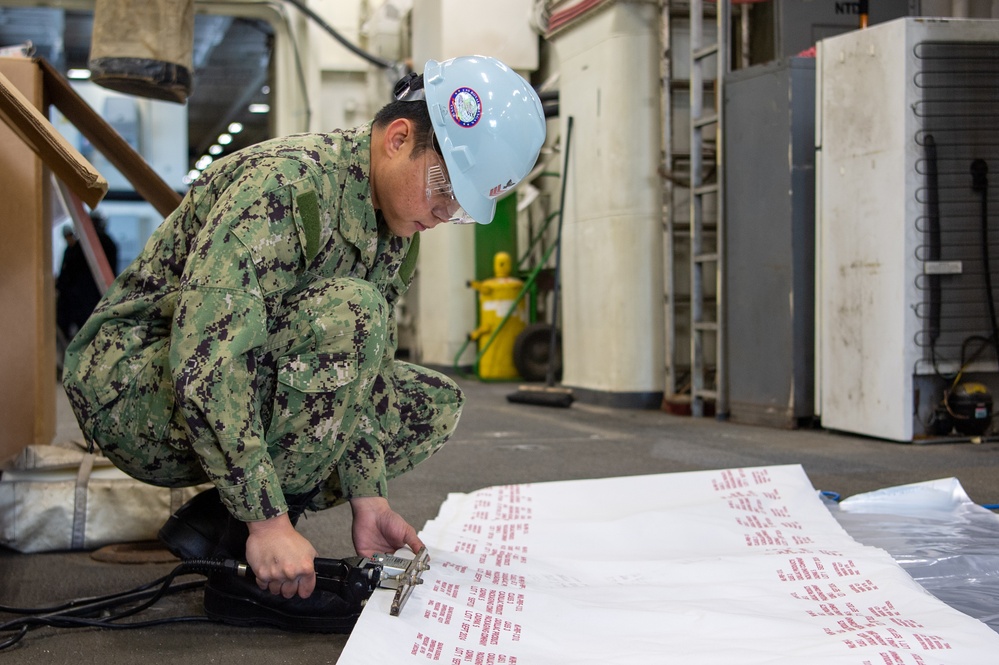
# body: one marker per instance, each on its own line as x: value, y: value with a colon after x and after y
x: 465, y: 107
x: 499, y: 189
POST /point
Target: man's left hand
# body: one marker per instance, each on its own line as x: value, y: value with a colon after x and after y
x: 379, y: 529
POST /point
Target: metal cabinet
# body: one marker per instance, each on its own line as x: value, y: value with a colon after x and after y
x: 769, y: 226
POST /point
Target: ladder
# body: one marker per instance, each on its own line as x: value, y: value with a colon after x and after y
x: 694, y: 304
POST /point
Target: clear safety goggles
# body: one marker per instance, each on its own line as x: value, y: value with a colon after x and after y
x: 440, y: 193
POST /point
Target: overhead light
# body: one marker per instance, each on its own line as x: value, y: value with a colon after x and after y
x: 203, y: 163
x: 235, y: 127
x: 78, y: 74
x: 260, y: 108
x: 225, y: 139
x: 215, y: 149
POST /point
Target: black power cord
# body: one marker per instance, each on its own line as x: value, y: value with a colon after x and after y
x: 81, y: 612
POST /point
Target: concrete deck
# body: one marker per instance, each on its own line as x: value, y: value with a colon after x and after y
x: 496, y: 443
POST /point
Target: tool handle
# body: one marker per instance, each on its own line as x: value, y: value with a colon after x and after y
x: 335, y: 571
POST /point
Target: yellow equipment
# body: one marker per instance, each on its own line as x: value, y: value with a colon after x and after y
x: 496, y: 338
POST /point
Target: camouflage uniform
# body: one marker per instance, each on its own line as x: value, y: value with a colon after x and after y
x: 252, y: 341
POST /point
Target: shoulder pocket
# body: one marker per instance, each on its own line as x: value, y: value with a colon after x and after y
x: 274, y: 242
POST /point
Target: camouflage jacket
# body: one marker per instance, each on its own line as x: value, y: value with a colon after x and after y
x: 268, y: 220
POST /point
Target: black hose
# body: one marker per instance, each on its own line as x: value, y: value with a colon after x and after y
x: 980, y: 183
x: 74, y: 614
x: 373, y: 59
x: 558, y: 256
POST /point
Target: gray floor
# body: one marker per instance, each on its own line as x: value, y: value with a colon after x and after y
x: 496, y: 443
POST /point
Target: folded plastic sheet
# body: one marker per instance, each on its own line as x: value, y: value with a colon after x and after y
x: 733, y: 566
x: 937, y: 534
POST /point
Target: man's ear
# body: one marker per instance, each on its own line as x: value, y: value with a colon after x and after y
x: 398, y: 133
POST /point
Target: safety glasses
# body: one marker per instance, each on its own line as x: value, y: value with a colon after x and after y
x: 440, y: 193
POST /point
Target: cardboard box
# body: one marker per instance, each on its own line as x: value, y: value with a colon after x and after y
x: 27, y: 301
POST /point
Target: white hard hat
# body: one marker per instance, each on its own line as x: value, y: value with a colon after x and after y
x: 490, y: 126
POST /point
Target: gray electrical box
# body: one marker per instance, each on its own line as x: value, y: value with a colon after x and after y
x: 769, y: 176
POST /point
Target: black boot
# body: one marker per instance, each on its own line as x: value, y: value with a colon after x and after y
x: 203, y: 528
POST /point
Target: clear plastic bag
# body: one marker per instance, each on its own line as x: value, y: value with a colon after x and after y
x: 937, y: 534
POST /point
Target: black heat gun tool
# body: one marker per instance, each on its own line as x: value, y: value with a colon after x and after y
x: 354, y: 579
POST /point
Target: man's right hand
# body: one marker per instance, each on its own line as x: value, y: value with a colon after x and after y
x: 281, y: 558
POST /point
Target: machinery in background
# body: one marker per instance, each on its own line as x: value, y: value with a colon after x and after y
x: 967, y: 409
x: 906, y: 126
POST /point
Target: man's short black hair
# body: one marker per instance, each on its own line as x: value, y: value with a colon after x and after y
x: 415, y: 111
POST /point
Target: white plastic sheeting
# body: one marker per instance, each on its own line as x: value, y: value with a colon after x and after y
x: 731, y: 566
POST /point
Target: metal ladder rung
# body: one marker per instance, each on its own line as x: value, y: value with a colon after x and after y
x: 685, y: 301
x: 684, y: 85
x: 705, y: 52
x: 705, y: 120
x: 709, y: 394
x: 682, y: 230
x: 706, y: 326
x: 701, y: 190
x: 709, y: 257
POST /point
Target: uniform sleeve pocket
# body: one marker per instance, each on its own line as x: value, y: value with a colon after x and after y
x: 318, y: 372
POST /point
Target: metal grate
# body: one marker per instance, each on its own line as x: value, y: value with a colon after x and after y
x: 958, y: 108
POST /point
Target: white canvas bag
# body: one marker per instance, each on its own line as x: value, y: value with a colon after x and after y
x: 60, y: 497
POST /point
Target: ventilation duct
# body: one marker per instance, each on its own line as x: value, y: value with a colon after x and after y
x: 144, y: 47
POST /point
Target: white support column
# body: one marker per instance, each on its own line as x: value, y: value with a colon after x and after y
x: 612, y: 256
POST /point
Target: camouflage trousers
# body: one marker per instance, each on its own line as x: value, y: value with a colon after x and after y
x: 327, y: 390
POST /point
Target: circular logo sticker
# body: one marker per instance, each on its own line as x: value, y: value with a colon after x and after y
x: 465, y: 107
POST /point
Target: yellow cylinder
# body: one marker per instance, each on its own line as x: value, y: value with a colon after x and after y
x: 496, y: 297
